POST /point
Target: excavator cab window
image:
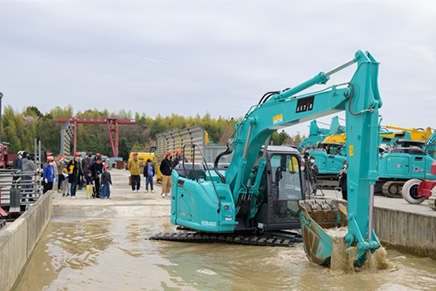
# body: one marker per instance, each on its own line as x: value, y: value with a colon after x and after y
x: 286, y: 187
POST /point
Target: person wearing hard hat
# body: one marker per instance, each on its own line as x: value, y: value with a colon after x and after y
x: 134, y: 167
x: 166, y: 167
x: 49, y: 175
x: 178, y: 159
x: 74, y: 172
x: 50, y: 155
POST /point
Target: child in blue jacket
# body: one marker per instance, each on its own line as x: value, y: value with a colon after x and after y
x: 49, y: 175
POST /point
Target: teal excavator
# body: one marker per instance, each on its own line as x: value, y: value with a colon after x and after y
x: 318, y: 135
x: 261, y: 192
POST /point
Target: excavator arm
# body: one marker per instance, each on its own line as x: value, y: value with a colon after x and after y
x: 361, y: 101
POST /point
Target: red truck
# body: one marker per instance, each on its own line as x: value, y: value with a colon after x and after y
x: 6, y: 159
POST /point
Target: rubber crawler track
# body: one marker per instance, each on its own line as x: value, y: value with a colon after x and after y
x: 254, y: 240
x: 386, y: 189
x: 431, y: 202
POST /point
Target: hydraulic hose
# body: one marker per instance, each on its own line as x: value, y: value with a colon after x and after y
x: 349, y: 102
x: 228, y: 151
x: 267, y: 95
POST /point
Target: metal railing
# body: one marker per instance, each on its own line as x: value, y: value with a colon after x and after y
x: 19, y: 188
x: 205, y: 167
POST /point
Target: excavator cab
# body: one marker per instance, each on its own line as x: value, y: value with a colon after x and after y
x: 281, y: 189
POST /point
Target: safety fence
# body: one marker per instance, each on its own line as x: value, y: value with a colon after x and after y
x: 18, y: 190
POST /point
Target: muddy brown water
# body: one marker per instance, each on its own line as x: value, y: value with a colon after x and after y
x: 113, y: 254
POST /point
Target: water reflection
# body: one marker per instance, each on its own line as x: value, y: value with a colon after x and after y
x: 112, y: 254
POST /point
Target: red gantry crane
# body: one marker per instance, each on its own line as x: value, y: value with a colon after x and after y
x: 112, y: 126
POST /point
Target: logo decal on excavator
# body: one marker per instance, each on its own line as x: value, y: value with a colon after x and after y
x: 417, y: 169
x: 305, y: 104
x: 277, y: 118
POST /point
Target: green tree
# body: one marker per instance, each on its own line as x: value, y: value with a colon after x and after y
x: 21, y: 128
x: 138, y: 147
x: 297, y: 139
x: 124, y: 149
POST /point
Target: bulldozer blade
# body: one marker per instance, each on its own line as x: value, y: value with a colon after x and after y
x: 318, y: 245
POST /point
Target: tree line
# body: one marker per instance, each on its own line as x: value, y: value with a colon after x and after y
x: 20, y: 129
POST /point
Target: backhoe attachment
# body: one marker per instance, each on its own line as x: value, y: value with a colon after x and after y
x: 315, y: 216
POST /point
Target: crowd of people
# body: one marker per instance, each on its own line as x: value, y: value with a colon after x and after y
x: 77, y: 173
x: 166, y: 167
x: 70, y: 175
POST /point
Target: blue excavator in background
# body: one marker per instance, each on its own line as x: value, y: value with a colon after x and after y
x: 260, y: 194
x: 318, y: 135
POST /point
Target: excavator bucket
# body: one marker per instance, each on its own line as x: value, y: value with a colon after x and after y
x: 315, y: 216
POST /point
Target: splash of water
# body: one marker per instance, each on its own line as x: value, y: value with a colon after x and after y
x: 342, y: 259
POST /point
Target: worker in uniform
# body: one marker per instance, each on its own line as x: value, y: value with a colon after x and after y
x: 134, y: 167
x: 166, y: 167
x: 313, y: 172
x: 343, y: 181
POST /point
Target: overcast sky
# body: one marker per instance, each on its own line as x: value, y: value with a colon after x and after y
x: 190, y: 57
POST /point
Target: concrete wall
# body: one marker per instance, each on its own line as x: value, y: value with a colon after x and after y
x: 411, y: 232
x: 18, y: 240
